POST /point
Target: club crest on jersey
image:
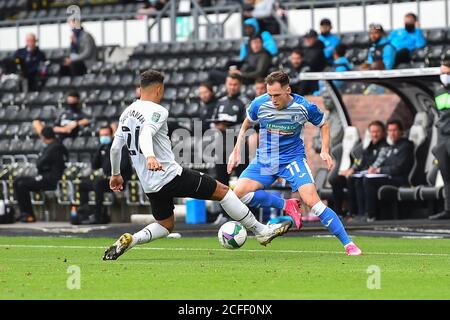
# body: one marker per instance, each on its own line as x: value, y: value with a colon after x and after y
x: 295, y: 117
x: 156, y: 116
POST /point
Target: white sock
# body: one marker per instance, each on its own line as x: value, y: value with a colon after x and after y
x: 241, y: 213
x: 247, y: 198
x: 151, y: 232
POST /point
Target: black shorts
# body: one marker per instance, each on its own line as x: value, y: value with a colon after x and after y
x: 190, y: 184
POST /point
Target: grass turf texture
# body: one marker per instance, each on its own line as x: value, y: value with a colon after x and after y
x: 198, y: 268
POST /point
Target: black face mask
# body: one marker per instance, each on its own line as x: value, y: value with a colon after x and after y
x: 325, y: 33
x: 410, y: 27
x: 73, y: 107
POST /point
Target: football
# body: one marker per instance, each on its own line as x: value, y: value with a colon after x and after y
x: 232, y: 235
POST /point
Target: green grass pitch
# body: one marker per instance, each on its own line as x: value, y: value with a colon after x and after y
x: 198, y: 268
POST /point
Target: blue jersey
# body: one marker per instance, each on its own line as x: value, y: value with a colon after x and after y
x: 280, y: 135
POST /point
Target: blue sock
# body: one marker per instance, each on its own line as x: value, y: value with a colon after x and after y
x: 332, y: 222
x: 266, y: 199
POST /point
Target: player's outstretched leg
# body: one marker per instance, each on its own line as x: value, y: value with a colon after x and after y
x: 240, y: 212
x: 250, y: 192
x: 127, y: 241
x: 328, y: 218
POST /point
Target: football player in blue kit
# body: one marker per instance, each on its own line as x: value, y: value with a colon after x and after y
x: 281, y: 153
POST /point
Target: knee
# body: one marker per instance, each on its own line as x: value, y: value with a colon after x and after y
x: 240, y: 192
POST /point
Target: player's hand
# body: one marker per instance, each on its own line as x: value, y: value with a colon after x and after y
x: 116, y: 183
x: 328, y: 159
x: 153, y: 164
x: 233, y: 160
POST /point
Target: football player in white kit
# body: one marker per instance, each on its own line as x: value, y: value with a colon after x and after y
x: 143, y: 129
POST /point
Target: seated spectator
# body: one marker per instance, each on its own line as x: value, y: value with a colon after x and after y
x: 68, y: 123
x: 294, y: 68
x: 381, y: 54
x: 314, y: 59
x: 253, y: 29
x: 260, y: 87
x: 263, y: 11
x: 329, y: 40
x: 30, y: 62
x: 407, y: 39
x: 352, y: 177
x: 50, y: 165
x: 255, y: 65
x: 152, y: 6
x: 341, y: 63
x: 391, y: 166
x: 100, y: 182
x: 335, y: 124
x: 208, y: 104
x: 83, y: 52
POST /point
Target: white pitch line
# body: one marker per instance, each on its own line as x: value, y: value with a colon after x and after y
x: 227, y: 250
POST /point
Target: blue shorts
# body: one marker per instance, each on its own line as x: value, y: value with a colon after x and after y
x: 296, y: 173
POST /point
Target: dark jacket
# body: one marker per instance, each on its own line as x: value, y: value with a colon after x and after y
x: 101, y: 159
x: 29, y: 61
x: 84, y: 49
x: 256, y: 65
x: 51, y: 162
x: 66, y: 118
x: 369, y: 155
x: 400, y: 160
x: 230, y: 110
x: 314, y: 58
x: 207, y: 113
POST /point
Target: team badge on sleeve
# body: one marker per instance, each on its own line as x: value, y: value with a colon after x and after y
x: 156, y: 116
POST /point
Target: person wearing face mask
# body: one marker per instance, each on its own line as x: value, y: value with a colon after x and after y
x: 208, y: 103
x: 329, y: 40
x: 30, y: 60
x: 50, y: 165
x: 68, y: 123
x: 99, y: 180
x: 83, y: 51
x: 407, y: 39
x: 442, y: 149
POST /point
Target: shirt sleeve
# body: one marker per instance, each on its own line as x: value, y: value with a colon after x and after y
x: 156, y: 121
x: 315, y: 116
x: 252, y: 111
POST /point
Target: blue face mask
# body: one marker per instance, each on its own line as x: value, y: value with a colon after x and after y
x: 105, y: 140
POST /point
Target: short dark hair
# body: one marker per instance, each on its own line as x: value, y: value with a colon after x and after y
x: 207, y: 85
x: 150, y: 77
x: 311, y: 34
x: 412, y: 15
x: 260, y: 80
x: 107, y: 127
x: 278, y: 76
x: 446, y: 63
x: 376, y: 26
x: 297, y: 51
x: 256, y: 37
x: 325, y: 22
x: 235, y: 76
x: 340, y: 49
x: 48, y: 133
x: 377, y: 123
x: 73, y: 93
x: 397, y: 122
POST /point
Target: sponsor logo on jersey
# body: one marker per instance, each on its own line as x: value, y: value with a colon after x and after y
x: 156, y: 116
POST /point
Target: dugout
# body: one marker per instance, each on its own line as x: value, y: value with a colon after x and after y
x: 405, y: 94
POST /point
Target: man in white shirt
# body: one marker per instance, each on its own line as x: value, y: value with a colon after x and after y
x: 143, y: 129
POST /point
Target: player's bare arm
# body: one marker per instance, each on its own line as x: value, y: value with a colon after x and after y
x: 325, y: 152
x: 235, y: 159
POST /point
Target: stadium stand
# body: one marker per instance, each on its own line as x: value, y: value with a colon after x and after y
x: 109, y: 87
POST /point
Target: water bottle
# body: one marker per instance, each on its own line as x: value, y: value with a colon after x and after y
x: 73, y: 215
